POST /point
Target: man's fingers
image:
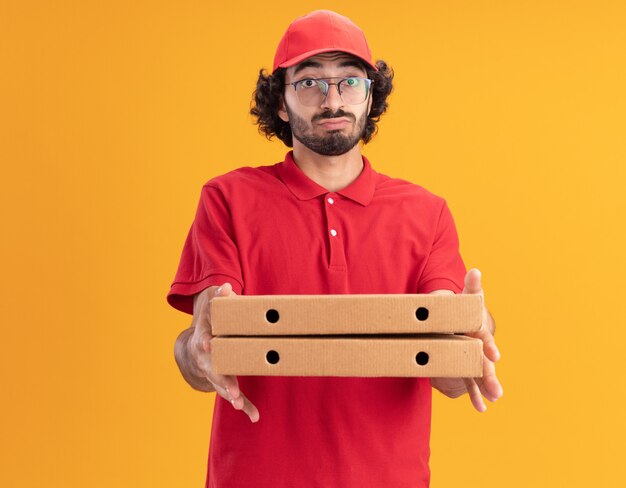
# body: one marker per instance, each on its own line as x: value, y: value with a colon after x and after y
x: 489, y: 345
x: 228, y: 388
x: 251, y: 410
x: 228, y: 383
x: 488, y: 389
x: 222, y: 387
x: 232, y: 386
x: 237, y: 399
x: 222, y: 392
x: 491, y: 350
x: 242, y: 403
x: 474, y: 394
x: 489, y: 385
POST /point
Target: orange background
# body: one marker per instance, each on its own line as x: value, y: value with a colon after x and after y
x: 113, y: 115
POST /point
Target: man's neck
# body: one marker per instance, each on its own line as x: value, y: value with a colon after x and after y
x: 331, y: 172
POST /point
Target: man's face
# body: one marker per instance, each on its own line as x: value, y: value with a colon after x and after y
x: 332, y: 127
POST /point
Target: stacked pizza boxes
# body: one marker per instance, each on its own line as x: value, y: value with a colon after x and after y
x: 418, y: 335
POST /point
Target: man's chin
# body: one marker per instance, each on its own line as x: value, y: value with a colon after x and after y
x: 334, y: 143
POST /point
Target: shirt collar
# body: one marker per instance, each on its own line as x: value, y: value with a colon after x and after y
x: 360, y: 190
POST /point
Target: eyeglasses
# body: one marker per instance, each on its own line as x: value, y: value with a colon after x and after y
x: 313, y: 91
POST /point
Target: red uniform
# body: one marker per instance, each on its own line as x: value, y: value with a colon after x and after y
x: 272, y: 230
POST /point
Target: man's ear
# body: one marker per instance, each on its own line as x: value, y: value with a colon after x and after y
x: 370, y: 102
x: 282, y: 112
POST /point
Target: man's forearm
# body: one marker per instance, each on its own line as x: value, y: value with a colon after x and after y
x: 181, y: 353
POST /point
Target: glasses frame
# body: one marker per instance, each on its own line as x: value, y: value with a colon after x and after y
x: 321, y: 82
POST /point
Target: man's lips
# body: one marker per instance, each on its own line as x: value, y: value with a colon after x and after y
x: 335, y: 123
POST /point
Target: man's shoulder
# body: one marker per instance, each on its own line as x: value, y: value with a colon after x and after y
x: 243, y: 177
x: 388, y: 186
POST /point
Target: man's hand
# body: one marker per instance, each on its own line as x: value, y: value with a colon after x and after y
x: 193, y: 354
x: 487, y: 386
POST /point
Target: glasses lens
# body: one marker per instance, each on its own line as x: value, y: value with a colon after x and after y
x: 312, y: 92
x: 354, y: 90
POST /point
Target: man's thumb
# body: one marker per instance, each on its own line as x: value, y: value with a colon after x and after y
x: 472, y: 281
x: 225, y: 290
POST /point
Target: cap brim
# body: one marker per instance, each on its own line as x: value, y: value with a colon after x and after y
x: 302, y: 57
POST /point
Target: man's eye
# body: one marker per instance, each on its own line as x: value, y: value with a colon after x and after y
x: 307, y: 83
x: 352, y: 82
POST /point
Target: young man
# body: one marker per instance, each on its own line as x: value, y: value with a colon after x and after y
x: 320, y: 222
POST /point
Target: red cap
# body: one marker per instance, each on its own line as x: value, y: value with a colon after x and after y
x: 321, y: 31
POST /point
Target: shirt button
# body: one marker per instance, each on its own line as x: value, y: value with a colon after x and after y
x: 333, y: 232
x: 330, y: 200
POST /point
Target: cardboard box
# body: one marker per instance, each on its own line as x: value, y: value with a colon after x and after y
x: 285, y: 315
x: 365, y: 356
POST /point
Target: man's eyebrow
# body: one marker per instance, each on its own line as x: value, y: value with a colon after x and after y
x: 352, y: 63
x: 306, y: 64
x: 349, y: 63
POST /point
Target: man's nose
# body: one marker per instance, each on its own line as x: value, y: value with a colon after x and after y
x: 333, y: 99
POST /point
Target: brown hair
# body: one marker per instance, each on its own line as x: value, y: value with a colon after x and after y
x: 269, y: 91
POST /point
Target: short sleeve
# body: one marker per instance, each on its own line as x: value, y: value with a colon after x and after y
x: 210, y: 255
x: 444, y: 269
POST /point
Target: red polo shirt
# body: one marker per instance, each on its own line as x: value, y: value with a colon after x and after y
x: 272, y: 230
